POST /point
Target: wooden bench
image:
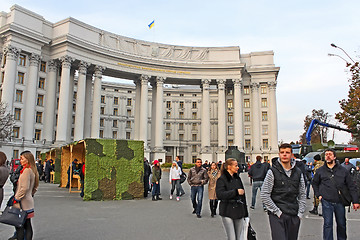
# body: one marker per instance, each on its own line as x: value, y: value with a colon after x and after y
x: 52, y: 177
x: 75, y: 176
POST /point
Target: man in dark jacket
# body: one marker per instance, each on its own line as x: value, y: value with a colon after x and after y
x: 197, y: 178
x: 147, y: 172
x: 257, y: 172
x: 327, y: 180
x: 283, y: 193
x: 49, y: 167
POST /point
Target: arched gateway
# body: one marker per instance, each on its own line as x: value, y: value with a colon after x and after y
x: 36, y: 50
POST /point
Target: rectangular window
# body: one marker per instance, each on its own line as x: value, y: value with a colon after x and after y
x: 230, y: 103
x: 168, y: 94
x: 246, y: 90
x: 194, y: 115
x: 168, y: 104
x: 247, y: 117
x: 116, y: 111
x: 16, y: 132
x: 15, y: 154
x: 42, y: 84
x: 230, y: 130
x: 246, y: 103
x: 194, y: 105
x: 128, y: 124
x: 230, y: 142
x: 194, y: 126
x: 247, y: 144
x: 17, y: 114
x: 229, y: 91
x: 101, y: 122
x: 40, y: 100
x: 168, y: 114
x: 181, y: 104
x: 263, y: 89
x: 22, y: 60
x: 181, y: 94
x: 194, y: 137
x: 43, y: 66
x: 102, y: 99
x: 128, y: 135
x: 101, y: 133
x: 193, y: 158
x: 181, y: 137
x: 115, y: 123
x: 181, y: 126
x: 265, y: 143
x: 116, y: 100
x: 230, y: 117
x: 247, y: 130
x: 38, y: 117
x: 37, y: 134
x: 102, y: 110
x: 193, y: 148
x: 128, y: 112
x: 264, y: 116
x: 21, y: 77
x: 264, y: 102
x: 168, y: 136
x: 19, y: 94
x: 114, y: 134
x: 265, y: 130
x: 128, y: 102
x: 168, y: 126
x: 181, y: 115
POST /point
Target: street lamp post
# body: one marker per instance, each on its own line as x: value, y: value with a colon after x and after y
x: 333, y: 45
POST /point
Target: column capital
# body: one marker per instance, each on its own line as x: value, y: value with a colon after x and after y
x: 237, y: 82
x: 99, y: 71
x: 34, y: 59
x: 272, y: 85
x: 52, y: 65
x: 11, y: 52
x: 83, y: 67
x: 254, y: 86
x: 66, y: 61
x: 144, y: 79
x: 160, y: 80
x: 221, y: 84
x: 205, y: 84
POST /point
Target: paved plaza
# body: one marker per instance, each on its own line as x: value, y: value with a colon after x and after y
x: 63, y: 215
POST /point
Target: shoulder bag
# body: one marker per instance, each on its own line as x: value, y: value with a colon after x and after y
x: 13, y: 216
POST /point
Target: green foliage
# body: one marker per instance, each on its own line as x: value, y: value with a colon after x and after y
x: 188, y: 165
x: 166, y: 165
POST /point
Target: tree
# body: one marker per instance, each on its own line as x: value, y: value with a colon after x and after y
x: 6, y: 122
x: 350, y: 115
x: 319, y: 134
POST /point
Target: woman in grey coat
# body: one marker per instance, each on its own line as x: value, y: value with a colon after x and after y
x: 4, y: 174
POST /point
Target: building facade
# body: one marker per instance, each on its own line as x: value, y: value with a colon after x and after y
x: 186, y: 101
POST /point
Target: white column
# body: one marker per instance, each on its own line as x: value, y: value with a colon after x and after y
x: 71, y: 103
x: 137, y: 109
x: 205, y: 121
x: 88, y: 106
x: 30, y: 99
x: 255, y: 112
x: 80, y: 102
x: 238, y: 115
x: 153, y: 118
x: 95, y: 120
x: 221, y: 121
x: 50, y: 99
x: 273, y: 117
x: 144, y: 111
x: 159, y: 152
x: 8, y: 85
x: 64, y: 99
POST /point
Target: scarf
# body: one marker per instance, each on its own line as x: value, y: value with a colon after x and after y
x: 26, y: 166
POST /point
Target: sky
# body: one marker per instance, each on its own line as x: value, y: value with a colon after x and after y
x: 299, y: 33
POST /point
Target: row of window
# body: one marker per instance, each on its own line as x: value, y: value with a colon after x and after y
x: 19, y: 98
x: 22, y: 62
x: 21, y: 78
x: 265, y: 144
x: 181, y: 104
x: 116, y: 100
x: 264, y: 103
x: 115, y: 123
x: 16, y: 133
x: 115, y: 134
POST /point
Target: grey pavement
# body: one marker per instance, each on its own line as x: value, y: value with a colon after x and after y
x: 63, y: 215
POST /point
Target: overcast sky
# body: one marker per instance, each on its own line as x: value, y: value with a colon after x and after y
x: 299, y: 33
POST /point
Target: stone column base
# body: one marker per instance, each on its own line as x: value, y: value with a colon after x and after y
x: 158, y: 154
x: 206, y: 156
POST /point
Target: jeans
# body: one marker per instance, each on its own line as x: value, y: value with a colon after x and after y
x: 175, y: 184
x: 233, y: 227
x: 255, y: 186
x: 284, y: 228
x: 328, y: 208
x: 156, y: 189
x: 308, y: 186
x: 199, y: 191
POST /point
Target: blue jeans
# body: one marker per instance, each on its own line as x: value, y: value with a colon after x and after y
x: 156, y: 189
x: 199, y: 191
x: 255, y: 186
x: 308, y: 186
x: 175, y: 184
x: 328, y: 208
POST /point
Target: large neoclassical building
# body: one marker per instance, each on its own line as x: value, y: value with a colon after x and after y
x: 67, y: 81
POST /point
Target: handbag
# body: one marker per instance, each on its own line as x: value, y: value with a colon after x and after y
x: 251, y: 235
x: 13, y: 216
x: 247, y: 231
x: 182, y: 177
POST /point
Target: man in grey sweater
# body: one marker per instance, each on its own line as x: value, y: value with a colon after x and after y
x: 283, y: 193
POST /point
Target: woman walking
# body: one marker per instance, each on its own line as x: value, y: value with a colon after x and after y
x: 26, y: 188
x: 233, y: 209
x: 156, y: 176
x: 214, y: 174
x: 174, y: 179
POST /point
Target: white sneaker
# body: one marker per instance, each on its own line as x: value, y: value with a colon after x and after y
x: 177, y: 198
x: 170, y: 197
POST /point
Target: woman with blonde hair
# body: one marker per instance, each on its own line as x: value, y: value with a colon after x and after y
x: 174, y: 179
x: 214, y: 174
x: 233, y: 209
x: 26, y: 188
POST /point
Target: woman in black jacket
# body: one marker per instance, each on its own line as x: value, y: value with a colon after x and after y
x: 230, y: 190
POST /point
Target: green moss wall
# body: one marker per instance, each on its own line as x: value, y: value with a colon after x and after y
x: 114, y: 169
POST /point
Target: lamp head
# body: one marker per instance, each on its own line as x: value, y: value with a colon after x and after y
x: 333, y: 45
